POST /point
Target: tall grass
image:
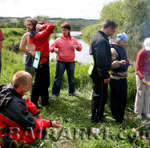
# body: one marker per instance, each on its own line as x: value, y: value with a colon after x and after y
x: 12, y: 38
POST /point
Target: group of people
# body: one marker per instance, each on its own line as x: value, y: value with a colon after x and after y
x: 110, y: 67
x: 21, y: 113
x: 36, y: 41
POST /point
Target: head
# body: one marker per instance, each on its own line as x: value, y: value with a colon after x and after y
x: 147, y: 44
x: 109, y: 27
x: 39, y: 26
x: 122, y: 39
x: 65, y: 29
x: 22, y: 82
x: 31, y: 23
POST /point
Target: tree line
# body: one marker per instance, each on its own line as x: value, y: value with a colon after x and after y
x: 132, y: 17
x: 77, y: 24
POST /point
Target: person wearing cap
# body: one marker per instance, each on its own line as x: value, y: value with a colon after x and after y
x: 118, y: 83
x: 142, y: 81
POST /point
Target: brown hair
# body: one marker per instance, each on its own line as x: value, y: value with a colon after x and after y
x: 33, y: 22
x: 109, y: 23
x: 66, y: 25
x: 21, y: 78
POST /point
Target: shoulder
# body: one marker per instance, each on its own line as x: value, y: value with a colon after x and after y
x: 26, y: 36
x: 73, y: 38
x: 141, y: 52
x: 59, y: 39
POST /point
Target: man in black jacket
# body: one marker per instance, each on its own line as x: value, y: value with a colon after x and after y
x: 18, y: 112
x: 100, y: 49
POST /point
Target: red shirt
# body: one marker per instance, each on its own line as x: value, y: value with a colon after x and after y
x: 41, y: 41
x: 66, y: 52
x: 1, y: 35
x: 142, y: 63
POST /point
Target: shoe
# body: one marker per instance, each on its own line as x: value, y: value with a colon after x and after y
x: 139, y: 116
x: 54, y: 96
x: 46, y: 104
x: 39, y: 107
x: 148, y: 116
x: 119, y: 121
x: 101, y: 120
x: 74, y: 94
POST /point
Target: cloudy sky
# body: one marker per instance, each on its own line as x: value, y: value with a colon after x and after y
x: 89, y: 9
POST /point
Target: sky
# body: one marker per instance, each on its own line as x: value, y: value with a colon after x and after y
x: 88, y: 9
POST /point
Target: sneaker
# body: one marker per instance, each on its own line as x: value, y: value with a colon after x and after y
x: 74, y: 94
x: 148, y: 116
x: 54, y: 96
x: 139, y: 116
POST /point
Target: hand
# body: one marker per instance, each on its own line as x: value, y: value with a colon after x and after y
x: 122, y: 62
x: 56, y: 124
x: 131, y: 63
x: 56, y: 50
x: 75, y: 46
x: 39, y: 116
x: 38, y: 27
x: 106, y: 81
x: 31, y: 52
x: 145, y: 82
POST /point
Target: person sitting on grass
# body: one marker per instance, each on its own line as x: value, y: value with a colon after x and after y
x: 18, y: 121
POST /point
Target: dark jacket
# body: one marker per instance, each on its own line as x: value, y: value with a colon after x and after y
x: 100, y: 49
x: 15, y: 109
x: 122, y: 55
x: 17, y: 112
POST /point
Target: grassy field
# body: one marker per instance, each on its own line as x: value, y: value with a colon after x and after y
x: 74, y: 113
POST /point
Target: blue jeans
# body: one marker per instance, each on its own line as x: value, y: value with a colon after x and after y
x: 60, y: 69
x: 29, y: 64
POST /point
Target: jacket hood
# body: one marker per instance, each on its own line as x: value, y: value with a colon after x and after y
x: 6, y: 93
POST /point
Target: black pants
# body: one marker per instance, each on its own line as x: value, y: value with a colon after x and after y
x: 118, y: 98
x: 41, y: 84
x: 60, y: 69
x: 99, y: 98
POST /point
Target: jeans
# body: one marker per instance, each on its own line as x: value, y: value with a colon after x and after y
x: 60, y: 69
x: 29, y: 64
